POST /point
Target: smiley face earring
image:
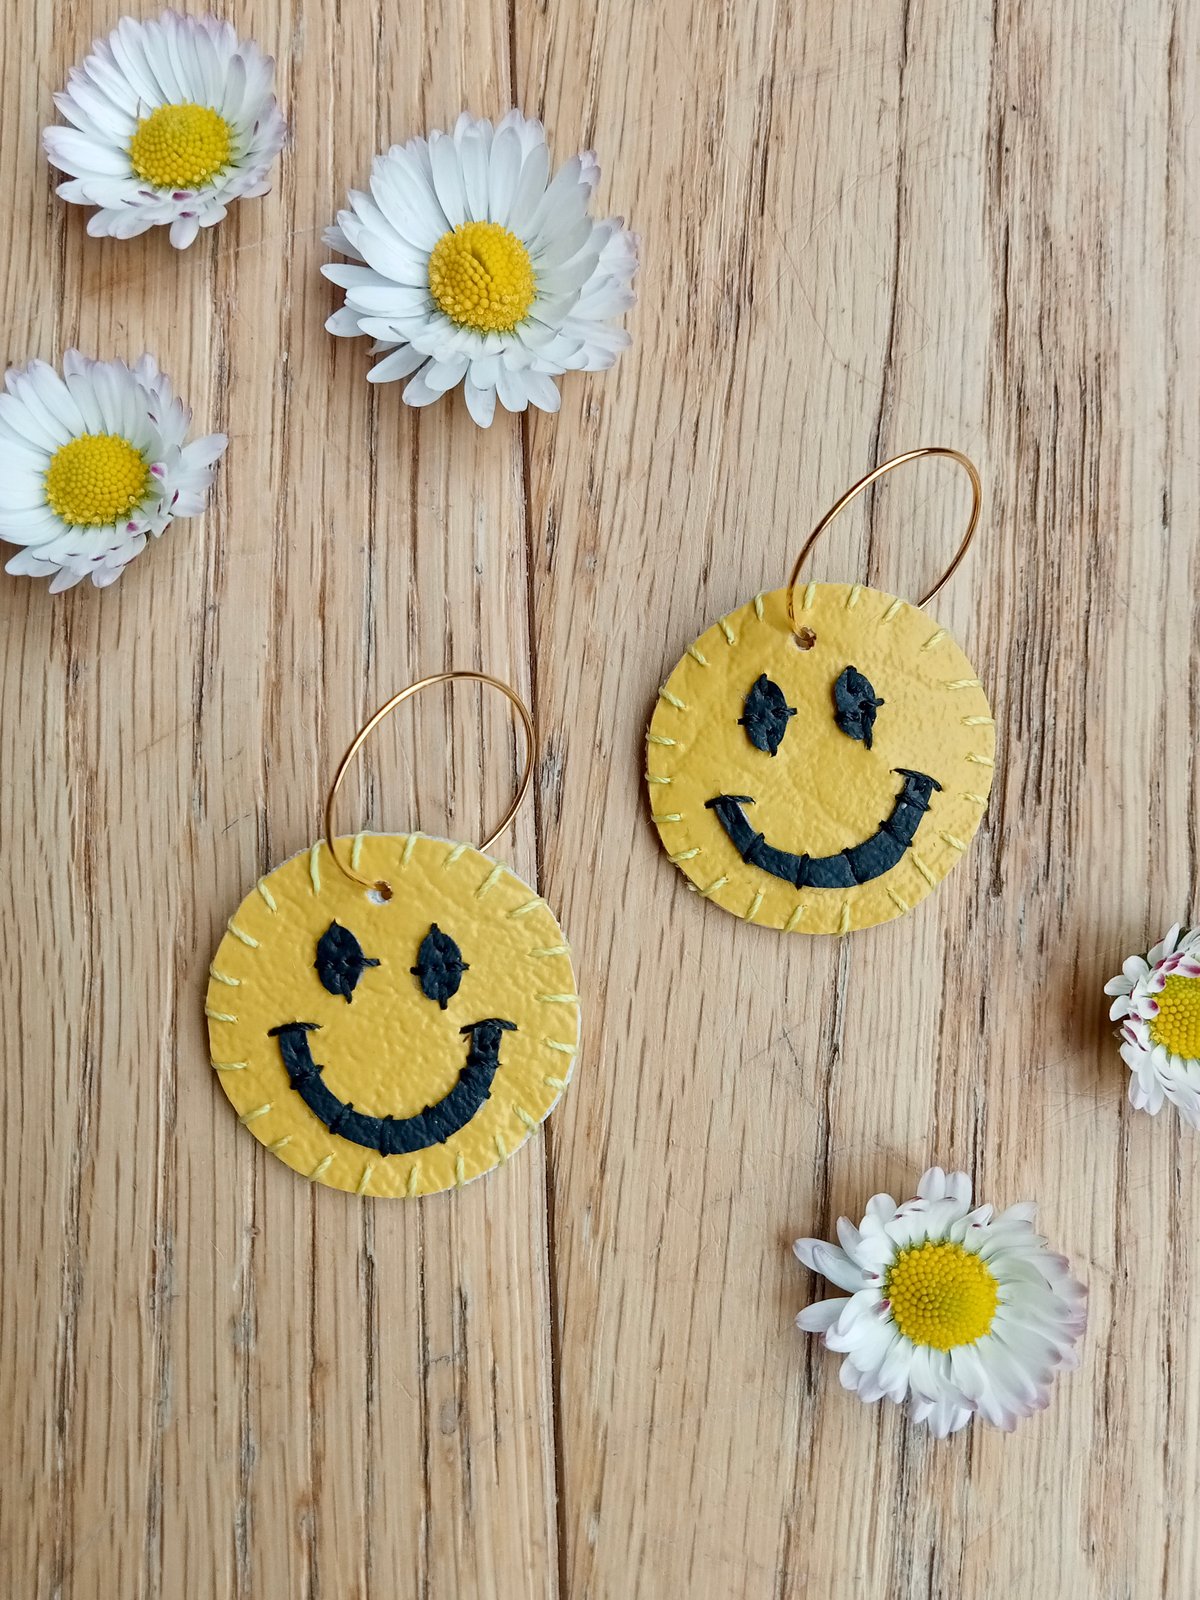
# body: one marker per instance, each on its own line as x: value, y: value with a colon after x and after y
x: 821, y: 757
x: 394, y: 1014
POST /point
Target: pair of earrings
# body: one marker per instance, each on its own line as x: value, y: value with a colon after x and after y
x: 435, y: 987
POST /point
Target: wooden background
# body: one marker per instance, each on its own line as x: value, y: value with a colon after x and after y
x: 865, y: 227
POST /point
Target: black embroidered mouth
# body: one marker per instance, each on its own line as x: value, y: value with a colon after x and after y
x: 859, y: 864
x: 395, y: 1136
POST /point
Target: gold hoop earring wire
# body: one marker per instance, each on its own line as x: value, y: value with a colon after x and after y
x: 386, y: 710
x: 852, y: 493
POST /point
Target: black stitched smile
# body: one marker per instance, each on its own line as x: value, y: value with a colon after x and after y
x: 859, y: 864
x: 395, y: 1136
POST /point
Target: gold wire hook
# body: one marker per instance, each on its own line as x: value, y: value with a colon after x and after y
x: 864, y: 483
x: 368, y: 728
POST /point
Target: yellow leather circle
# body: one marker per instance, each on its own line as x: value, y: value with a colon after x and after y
x: 390, y: 1050
x: 822, y: 792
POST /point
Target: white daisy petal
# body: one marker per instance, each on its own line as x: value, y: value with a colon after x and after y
x: 441, y: 376
x: 30, y: 423
x: 448, y: 178
x: 171, y: 119
x: 112, y: 465
x: 481, y: 399
x: 407, y: 199
x: 183, y: 231
x: 820, y: 1316
x: 531, y: 186
x: 542, y: 390
x: 963, y: 1312
x: 564, y: 200
x: 474, y: 153
x: 65, y: 578
x: 29, y: 528
x: 830, y: 1262
x: 27, y: 565
x: 504, y: 170
x: 397, y: 364
x: 510, y: 388
x: 418, y: 393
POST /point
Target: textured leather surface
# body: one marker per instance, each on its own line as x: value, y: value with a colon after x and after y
x: 390, y: 1050
x: 822, y: 792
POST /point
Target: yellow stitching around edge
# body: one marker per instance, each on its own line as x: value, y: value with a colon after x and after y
x: 410, y: 844
x: 455, y: 853
x: 221, y: 977
x: 934, y: 639
x: 650, y: 778
x: 251, y: 944
x: 965, y: 683
x: 218, y: 1016
x: 460, y: 1172
x: 891, y: 611
x: 266, y: 894
x: 501, y: 1148
x: 552, y: 950
x: 844, y: 924
x: 659, y: 738
x: 730, y: 636
x: 249, y: 1116
x: 956, y: 844
x: 356, y: 851
x: 794, y: 918
x: 490, y: 881
x: 697, y: 654
x: 979, y: 799
x: 978, y: 722
x: 555, y: 1083
x: 672, y: 699
x: 279, y: 1143
x: 523, y: 911
x: 314, y: 866
x: 559, y: 999
x: 685, y: 855
x: 525, y: 1117
x: 981, y: 761
x: 563, y: 1049
x: 667, y: 816
x: 230, y: 1066
x: 854, y: 596
x: 717, y: 883
x: 758, y: 606
x: 754, y: 905
x: 361, y: 1186
x: 414, y: 1177
x: 896, y: 900
x: 922, y: 869
x: 321, y: 1167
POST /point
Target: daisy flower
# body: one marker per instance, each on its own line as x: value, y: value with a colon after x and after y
x: 958, y: 1311
x: 1158, y: 1005
x: 470, y: 266
x: 170, y: 121
x: 92, y: 464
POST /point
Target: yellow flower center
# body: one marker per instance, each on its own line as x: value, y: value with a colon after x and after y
x: 1177, y: 1025
x: 941, y: 1294
x: 95, y: 480
x: 481, y: 276
x: 180, y: 147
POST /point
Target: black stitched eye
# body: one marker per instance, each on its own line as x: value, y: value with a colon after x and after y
x: 440, y: 966
x: 340, y: 961
x: 854, y: 705
x: 765, y: 715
